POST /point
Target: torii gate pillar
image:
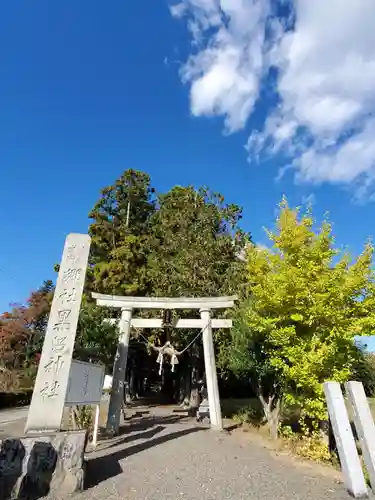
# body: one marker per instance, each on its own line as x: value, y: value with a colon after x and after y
x: 119, y: 372
x: 211, y: 374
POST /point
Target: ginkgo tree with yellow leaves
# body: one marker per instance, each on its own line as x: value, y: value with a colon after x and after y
x: 306, y: 301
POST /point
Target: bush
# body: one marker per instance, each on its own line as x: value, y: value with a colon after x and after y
x: 307, y: 444
x: 9, y: 381
x: 82, y: 417
x: 250, y: 413
x: 314, y: 448
x: 364, y: 371
x: 18, y: 381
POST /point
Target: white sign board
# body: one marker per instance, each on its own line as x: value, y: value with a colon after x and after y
x: 85, y: 384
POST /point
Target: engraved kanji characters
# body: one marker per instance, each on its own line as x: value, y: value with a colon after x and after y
x: 58, y: 344
x: 85, y: 382
x: 50, y: 389
x: 54, y: 365
x: 68, y: 296
x: 73, y: 255
x: 62, y: 324
x: 71, y: 274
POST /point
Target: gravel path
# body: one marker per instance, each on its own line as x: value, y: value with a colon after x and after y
x: 161, y: 456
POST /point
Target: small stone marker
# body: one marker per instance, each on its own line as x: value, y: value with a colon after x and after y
x: 351, y: 467
x: 51, y: 383
x: 364, y: 424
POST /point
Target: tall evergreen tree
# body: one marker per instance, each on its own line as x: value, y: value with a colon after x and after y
x: 119, y: 235
x: 195, y: 241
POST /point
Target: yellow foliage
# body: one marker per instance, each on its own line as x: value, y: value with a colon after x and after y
x: 308, y: 444
x: 313, y: 448
x: 308, y: 303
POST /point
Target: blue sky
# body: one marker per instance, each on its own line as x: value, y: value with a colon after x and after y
x: 89, y: 89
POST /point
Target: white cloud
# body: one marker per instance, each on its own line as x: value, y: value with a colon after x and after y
x: 177, y: 10
x: 224, y: 69
x: 323, y: 122
x: 309, y: 200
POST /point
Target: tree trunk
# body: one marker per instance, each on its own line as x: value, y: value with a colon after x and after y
x: 271, y: 408
x: 138, y: 385
x: 185, y: 387
x: 194, y: 392
x: 128, y: 398
x: 324, y: 431
x: 132, y: 384
x: 182, y: 387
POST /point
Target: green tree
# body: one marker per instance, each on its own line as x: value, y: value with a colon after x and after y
x: 185, y: 243
x: 308, y: 302
x: 194, y: 244
x: 364, y: 371
x: 96, y: 339
x: 246, y: 354
x: 119, y: 233
x: 195, y: 240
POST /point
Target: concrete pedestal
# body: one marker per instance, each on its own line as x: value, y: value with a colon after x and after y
x: 33, y: 466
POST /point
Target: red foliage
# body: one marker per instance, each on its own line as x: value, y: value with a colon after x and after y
x: 18, y: 326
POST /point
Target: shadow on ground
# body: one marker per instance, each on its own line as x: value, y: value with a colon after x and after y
x: 137, y: 414
x: 100, y: 469
x: 133, y: 437
x: 143, y: 424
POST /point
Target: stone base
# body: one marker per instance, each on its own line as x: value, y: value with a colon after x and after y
x: 33, y: 466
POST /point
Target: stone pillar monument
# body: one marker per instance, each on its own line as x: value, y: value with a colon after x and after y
x: 51, y: 383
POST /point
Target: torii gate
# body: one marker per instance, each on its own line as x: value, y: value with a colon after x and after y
x: 127, y: 304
